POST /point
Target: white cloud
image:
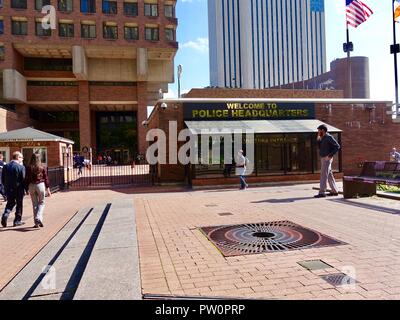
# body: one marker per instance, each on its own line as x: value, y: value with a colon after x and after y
x: 200, y: 44
x: 170, y: 94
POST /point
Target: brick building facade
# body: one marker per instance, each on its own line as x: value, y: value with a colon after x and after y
x: 90, y: 79
x: 368, y: 131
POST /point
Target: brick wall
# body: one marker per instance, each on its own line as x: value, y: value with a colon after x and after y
x: 52, y: 93
x: 113, y: 93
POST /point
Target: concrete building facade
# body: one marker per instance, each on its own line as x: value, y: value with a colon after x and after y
x: 256, y: 44
x: 92, y: 77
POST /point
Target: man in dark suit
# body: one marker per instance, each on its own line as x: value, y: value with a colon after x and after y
x: 12, y: 177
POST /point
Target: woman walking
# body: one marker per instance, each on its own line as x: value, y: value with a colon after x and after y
x: 37, y: 183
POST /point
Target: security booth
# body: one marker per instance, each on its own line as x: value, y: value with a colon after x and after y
x: 282, y: 137
x: 279, y: 135
x: 52, y: 148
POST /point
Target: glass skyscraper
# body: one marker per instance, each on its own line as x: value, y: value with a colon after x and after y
x: 265, y: 43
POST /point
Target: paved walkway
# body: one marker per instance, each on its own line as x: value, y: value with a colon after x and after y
x: 177, y: 259
x: 19, y: 245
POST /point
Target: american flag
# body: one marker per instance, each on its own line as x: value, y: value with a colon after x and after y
x: 357, y: 12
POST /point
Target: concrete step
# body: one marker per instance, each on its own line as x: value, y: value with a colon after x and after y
x: 80, y: 261
x: 113, y: 271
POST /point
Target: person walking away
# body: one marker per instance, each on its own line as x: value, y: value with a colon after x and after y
x: 13, y: 177
x: 37, y: 183
x: 241, y: 169
x: 2, y: 164
x: 394, y: 155
x: 328, y: 147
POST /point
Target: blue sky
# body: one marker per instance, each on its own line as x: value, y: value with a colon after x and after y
x: 371, y: 39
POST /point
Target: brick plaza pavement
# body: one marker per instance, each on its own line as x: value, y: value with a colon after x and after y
x: 177, y: 259
x: 19, y: 245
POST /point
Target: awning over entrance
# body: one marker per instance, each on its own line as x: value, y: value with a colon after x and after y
x: 260, y: 126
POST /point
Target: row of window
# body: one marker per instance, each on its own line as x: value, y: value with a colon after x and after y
x: 88, y: 30
x: 108, y: 7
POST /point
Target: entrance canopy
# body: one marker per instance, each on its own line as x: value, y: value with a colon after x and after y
x: 259, y: 126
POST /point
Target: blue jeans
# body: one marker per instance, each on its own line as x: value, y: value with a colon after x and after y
x: 243, y: 183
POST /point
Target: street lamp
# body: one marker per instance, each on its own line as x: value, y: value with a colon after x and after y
x: 180, y: 70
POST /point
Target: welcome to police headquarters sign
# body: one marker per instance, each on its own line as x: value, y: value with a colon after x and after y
x: 248, y: 111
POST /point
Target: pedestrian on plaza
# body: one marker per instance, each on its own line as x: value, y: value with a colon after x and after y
x: 37, y: 184
x: 2, y: 164
x: 241, y: 164
x: 394, y: 155
x: 328, y: 147
x: 13, y: 176
x: 80, y: 164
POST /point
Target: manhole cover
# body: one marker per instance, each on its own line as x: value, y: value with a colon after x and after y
x: 314, y: 265
x: 223, y: 214
x: 339, y: 279
x: 234, y: 240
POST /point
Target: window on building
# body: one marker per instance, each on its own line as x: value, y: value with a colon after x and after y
x: 39, y: 4
x: 130, y: 8
x: 152, y: 33
x: 88, y: 31
x: 19, y: 27
x: 19, y: 4
x: 170, y: 34
x: 47, y: 64
x: 169, y: 11
x: 88, y: 6
x: 110, y: 6
x: 40, y: 31
x: 131, y: 32
x: 110, y: 30
x: 1, y: 26
x: 1, y: 4
x: 65, y: 5
x: 66, y: 29
x: 2, y: 51
x: 151, y: 9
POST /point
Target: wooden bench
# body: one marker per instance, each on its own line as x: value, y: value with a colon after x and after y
x: 372, y: 173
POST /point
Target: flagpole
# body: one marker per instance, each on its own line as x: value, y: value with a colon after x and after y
x: 395, y: 50
x: 349, y: 75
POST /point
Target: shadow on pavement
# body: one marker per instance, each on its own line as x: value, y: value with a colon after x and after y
x: 288, y: 200
x: 366, y: 206
x: 26, y: 229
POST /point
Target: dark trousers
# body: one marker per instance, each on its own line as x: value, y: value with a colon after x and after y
x: 243, y: 183
x: 3, y: 192
x: 14, y: 197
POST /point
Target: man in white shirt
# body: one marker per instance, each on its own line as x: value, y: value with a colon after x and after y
x: 241, y: 169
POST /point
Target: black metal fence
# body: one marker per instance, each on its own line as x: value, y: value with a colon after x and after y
x: 84, y: 174
x: 56, y: 178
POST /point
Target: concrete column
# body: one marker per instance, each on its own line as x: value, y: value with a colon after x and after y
x: 14, y: 86
x: 142, y: 116
x: 79, y: 63
x: 142, y: 64
x: 85, y: 125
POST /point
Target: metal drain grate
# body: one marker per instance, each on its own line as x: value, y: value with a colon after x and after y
x: 211, y: 205
x: 314, y: 265
x: 339, y: 279
x: 234, y: 240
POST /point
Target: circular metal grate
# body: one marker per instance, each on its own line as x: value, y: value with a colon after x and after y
x: 265, y: 237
